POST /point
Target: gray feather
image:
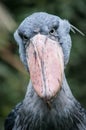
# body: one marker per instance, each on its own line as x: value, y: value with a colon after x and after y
x: 65, y: 112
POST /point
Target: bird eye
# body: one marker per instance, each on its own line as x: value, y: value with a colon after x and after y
x: 24, y: 37
x: 52, y: 31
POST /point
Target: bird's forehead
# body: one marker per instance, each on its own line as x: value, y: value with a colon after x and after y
x: 43, y: 18
x: 39, y: 20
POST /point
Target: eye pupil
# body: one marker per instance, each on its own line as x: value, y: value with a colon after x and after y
x: 25, y: 37
x: 52, y: 31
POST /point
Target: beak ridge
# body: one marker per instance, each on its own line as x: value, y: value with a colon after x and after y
x: 46, y: 65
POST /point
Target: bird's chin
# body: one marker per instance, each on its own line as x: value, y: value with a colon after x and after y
x: 46, y: 66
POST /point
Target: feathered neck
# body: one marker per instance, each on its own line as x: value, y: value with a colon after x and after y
x: 63, y: 98
x: 64, y: 113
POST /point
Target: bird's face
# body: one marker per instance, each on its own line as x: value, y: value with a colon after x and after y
x: 44, y: 46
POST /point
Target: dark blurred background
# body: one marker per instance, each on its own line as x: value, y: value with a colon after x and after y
x: 13, y: 76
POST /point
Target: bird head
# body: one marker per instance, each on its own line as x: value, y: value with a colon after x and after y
x: 44, y: 47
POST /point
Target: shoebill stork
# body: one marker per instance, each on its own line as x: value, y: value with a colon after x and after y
x: 44, y: 46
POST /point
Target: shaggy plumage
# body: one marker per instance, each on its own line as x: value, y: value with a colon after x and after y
x: 63, y: 112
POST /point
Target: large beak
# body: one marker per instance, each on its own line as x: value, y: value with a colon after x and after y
x: 46, y: 65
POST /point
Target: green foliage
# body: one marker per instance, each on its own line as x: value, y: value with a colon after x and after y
x: 13, y: 77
